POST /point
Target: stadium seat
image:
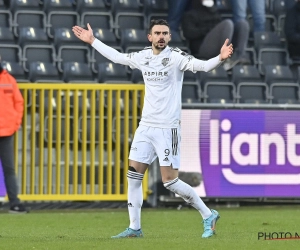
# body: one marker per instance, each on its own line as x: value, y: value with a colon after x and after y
x: 217, y: 75
x: 219, y: 92
x: 16, y: 5
x: 272, y: 56
x: 43, y: 72
x: 112, y: 73
x: 61, y: 19
x: 97, y: 20
x: 77, y: 72
x: 155, y: 6
x: 129, y: 6
x: 65, y: 36
x: 191, y: 92
x: 6, y: 18
x: 278, y: 7
x: 11, y: 53
x: 128, y: 21
x: 266, y: 39
x: 107, y: 36
x: 29, y: 18
x: 66, y: 53
x: 249, y: 84
x: 133, y: 40
x: 31, y: 35
x: 92, y: 6
x: 16, y: 70
x: 283, y: 87
x: 6, y: 36
x: 245, y: 73
x: 155, y: 9
x: 217, y: 88
x: 270, y: 24
x: 58, y: 5
x: 36, y: 53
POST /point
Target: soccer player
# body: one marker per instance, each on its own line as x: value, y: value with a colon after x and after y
x: 158, y: 134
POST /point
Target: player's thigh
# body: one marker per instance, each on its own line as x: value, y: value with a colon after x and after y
x: 167, y: 147
x: 142, y: 152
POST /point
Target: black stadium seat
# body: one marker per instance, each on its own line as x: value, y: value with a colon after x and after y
x: 112, y: 73
x: 283, y: 87
x: 250, y: 86
x: 77, y: 72
x: 16, y: 70
x: 43, y: 72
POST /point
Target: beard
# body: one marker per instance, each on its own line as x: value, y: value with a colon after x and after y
x: 160, y: 47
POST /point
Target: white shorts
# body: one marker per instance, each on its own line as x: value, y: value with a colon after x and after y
x: 149, y: 143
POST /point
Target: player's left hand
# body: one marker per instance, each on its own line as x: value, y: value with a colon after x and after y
x: 226, y: 50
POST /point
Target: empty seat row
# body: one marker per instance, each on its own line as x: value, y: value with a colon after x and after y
x: 279, y: 85
x: 113, y: 6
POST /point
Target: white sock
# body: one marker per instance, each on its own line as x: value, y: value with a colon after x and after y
x: 187, y: 193
x: 135, y: 198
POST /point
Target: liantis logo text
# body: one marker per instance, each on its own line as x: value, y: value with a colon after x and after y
x: 224, y: 147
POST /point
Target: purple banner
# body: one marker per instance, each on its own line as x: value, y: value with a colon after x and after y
x: 2, y: 184
x: 245, y: 153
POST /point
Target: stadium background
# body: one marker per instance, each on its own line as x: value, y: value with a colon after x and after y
x: 80, y: 131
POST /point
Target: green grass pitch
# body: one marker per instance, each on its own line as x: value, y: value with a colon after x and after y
x: 163, y: 229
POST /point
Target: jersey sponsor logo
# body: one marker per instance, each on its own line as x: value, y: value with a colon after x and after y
x: 165, y: 61
x: 155, y: 76
x: 157, y: 73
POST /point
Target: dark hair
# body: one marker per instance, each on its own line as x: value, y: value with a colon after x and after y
x: 157, y: 22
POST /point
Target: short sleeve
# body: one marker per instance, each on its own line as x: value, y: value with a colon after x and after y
x: 184, y: 60
x: 133, y: 59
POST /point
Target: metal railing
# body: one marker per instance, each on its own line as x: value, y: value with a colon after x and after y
x: 75, y: 140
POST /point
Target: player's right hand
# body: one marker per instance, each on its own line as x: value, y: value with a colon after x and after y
x: 83, y: 34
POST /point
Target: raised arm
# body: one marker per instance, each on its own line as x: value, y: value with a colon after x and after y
x: 108, y: 52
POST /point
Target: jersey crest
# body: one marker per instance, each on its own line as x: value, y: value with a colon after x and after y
x: 165, y: 61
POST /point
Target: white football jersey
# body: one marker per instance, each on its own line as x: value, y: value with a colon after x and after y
x: 163, y: 77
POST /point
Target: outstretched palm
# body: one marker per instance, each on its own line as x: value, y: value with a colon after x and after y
x: 83, y: 34
x: 226, y: 50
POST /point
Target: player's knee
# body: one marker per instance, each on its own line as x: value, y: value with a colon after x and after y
x: 132, y: 169
x: 133, y: 174
x: 168, y: 184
